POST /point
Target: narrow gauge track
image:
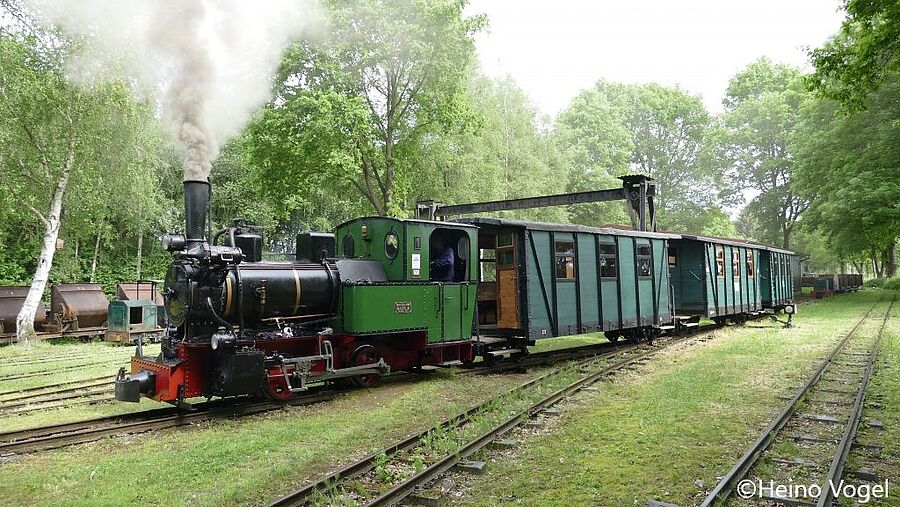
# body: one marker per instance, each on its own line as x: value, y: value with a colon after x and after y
x: 54, y: 436
x: 60, y: 435
x: 58, y: 358
x: 838, y: 387
x: 589, y: 370
x: 81, y: 396
x: 41, y: 398
x: 31, y: 374
x: 26, y: 392
x: 92, y: 332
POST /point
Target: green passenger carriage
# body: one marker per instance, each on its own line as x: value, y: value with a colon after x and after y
x: 539, y: 280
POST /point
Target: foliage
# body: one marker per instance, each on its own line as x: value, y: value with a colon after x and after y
x: 615, y: 129
x: 508, y: 155
x: 856, y: 61
x: 391, y: 74
x: 753, y: 144
x: 850, y: 163
x: 114, y: 143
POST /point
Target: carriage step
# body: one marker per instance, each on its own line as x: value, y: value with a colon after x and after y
x: 504, y: 352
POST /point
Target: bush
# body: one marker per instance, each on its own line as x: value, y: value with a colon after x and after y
x: 874, y: 282
x: 892, y: 283
x: 884, y: 283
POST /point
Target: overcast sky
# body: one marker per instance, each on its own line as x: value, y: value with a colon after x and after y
x: 555, y: 48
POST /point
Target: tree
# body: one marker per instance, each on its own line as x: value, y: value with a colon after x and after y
x: 55, y: 134
x: 616, y: 129
x: 847, y: 167
x: 507, y: 154
x: 762, y: 111
x: 592, y: 135
x: 358, y: 106
x: 855, y: 62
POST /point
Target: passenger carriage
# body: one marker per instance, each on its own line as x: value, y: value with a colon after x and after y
x: 539, y: 280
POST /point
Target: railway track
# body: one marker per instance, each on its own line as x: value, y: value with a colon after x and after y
x: 60, y: 435
x: 53, y: 436
x: 809, y: 441
x: 87, y: 333
x: 362, y: 481
x: 31, y: 374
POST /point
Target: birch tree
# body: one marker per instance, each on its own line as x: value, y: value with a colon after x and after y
x: 55, y: 132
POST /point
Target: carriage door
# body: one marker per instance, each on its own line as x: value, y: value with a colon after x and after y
x: 498, y: 295
x: 507, y: 288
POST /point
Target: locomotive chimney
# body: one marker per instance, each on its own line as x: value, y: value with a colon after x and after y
x: 196, y: 202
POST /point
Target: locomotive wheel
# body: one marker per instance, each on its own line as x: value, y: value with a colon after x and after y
x: 277, y: 388
x: 365, y: 354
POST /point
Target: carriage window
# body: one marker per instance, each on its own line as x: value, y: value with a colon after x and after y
x: 673, y: 259
x: 505, y: 251
x: 643, y: 260
x: 565, y: 260
x: 488, y: 262
x: 736, y: 264
x: 720, y: 262
x: 750, y: 270
x: 607, y: 260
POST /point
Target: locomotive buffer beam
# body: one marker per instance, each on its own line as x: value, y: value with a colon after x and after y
x: 638, y: 190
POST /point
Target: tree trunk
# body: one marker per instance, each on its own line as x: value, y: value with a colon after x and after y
x: 25, y: 319
x: 94, y: 259
x: 875, y: 267
x: 140, y: 251
x: 786, y: 238
x: 890, y: 260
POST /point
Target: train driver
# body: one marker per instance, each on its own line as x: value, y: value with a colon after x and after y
x: 443, y: 260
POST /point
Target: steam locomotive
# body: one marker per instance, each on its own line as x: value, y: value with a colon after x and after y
x: 241, y: 326
x: 355, y: 304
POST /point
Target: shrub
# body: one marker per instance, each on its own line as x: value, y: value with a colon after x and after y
x: 892, y: 283
x: 874, y: 282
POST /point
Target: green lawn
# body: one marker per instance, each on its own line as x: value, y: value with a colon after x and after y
x: 669, y: 431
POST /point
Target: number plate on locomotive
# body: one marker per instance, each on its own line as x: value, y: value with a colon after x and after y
x: 403, y: 307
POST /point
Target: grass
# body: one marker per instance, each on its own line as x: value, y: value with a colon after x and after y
x: 686, y: 416
x: 112, y: 356
x: 244, y: 461
x: 671, y: 430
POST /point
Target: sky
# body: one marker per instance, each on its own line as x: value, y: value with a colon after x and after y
x: 554, y: 49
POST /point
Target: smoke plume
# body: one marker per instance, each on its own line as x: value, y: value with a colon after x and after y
x: 207, y: 64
